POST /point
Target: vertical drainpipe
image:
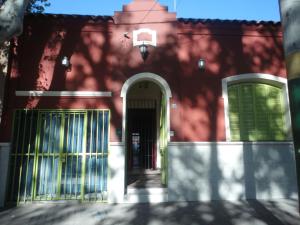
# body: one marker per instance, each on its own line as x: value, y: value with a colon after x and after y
x: 290, y: 19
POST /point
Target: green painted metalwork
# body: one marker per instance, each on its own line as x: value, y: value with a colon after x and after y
x: 22, y: 156
x: 96, y: 160
x: 50, y: 151
x: 163, y: 145
x: 256, y: 112
x: 16, y: 127
x: 28, y: 154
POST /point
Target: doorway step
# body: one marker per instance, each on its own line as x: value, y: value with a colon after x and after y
x: 144, y: 180
x: 146, y: 195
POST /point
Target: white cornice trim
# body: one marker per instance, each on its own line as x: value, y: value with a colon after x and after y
x: 116, y: 143
x: 64, y: 93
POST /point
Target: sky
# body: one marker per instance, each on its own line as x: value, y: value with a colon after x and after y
x: 207, y: 9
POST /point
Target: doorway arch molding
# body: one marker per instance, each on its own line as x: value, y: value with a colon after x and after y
x: 161, y: 82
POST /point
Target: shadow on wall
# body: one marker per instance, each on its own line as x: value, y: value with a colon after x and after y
x: 225, y: 171
x: 270, y: 171
x: 99, y: 64
x: 102, y: 62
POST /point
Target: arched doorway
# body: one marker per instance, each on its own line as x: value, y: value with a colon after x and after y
x: 146, y: 130
x: 143, y: 158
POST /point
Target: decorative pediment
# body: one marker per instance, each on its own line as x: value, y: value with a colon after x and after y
x: 144, y: 11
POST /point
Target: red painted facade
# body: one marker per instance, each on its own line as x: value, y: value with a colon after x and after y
x: 103, y: 58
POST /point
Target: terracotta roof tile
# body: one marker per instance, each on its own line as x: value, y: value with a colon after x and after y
x: 181, y: 20
x: 219, y: 21
x: 70, y: 16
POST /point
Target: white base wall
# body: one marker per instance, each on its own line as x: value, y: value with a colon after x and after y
x: 4, y: 159
x: 205, y: 171
x: 116, y: 173
x: 231, y: 171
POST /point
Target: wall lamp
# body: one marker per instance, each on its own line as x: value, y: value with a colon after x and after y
x: 65, y: 62
x: 201, y: 64
x: 144, y: 51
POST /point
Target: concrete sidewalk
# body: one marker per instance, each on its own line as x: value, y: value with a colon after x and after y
x: 182, y: 213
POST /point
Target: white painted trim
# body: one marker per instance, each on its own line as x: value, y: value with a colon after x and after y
x: 136, y: 33
x: 271, y: 79
x: 256, y: 77
x: 65, y: 93
x: 116, y: 143
x: 205, y: 143
x: 162, y: 83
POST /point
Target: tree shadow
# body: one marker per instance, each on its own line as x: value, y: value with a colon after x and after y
x: 103, y: 59
x: 207, y: 213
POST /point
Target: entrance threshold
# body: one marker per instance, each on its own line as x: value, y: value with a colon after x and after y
x: 146, y: 195
x: 145, y: 179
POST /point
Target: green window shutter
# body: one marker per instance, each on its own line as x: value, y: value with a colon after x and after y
x: 256, y: 112
x: 247, y: 113
x: 234, y: 115
x: 276, y: 114
x: 261, y: 109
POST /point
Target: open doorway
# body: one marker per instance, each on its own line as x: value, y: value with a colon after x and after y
x: 143, y: 110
